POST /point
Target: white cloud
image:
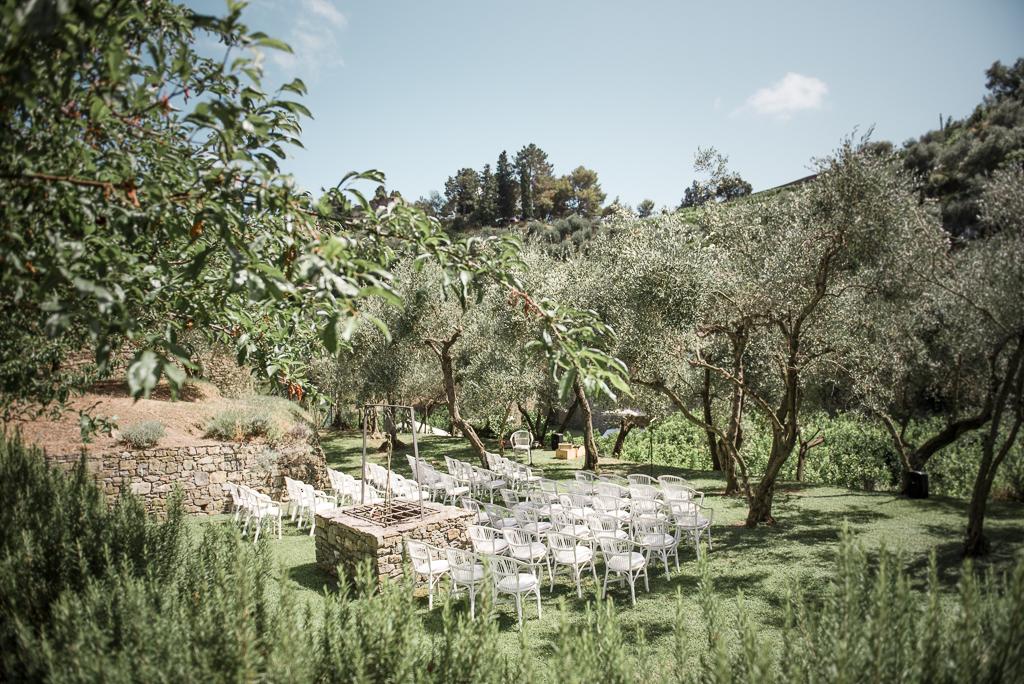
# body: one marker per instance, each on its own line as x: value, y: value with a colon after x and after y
x: 314, y: 36
x: 794, y: 93
x: 326, y: 10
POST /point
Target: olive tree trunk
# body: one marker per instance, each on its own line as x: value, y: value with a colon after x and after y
x: 589, y: 445
x: 443, y: 349
x: 998, y: 441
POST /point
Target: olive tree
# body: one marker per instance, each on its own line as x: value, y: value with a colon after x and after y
x: 143, y: 198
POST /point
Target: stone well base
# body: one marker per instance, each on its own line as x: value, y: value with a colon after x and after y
x: 345, y: 540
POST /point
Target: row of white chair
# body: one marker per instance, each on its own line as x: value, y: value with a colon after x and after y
x: 305, y: 501
x: 349, y: 490
x: 250, y: 506
x: 400, y: 487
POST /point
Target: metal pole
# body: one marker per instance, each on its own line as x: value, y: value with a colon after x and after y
x: 362, y: 473
x: 416, y: 456
x: 650, y: 443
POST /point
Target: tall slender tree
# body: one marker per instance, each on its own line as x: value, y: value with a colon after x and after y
x: 507, y: 189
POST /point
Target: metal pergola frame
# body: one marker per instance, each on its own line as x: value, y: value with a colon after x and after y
x: 415, y: 450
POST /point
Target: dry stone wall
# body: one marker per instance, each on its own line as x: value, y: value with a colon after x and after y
x: 345, y: 540
x: 201, y: 472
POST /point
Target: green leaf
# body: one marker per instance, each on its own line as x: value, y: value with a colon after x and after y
x: 143, y: 374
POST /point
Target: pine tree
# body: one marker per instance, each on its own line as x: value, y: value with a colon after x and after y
x: 507, y: 189
x: 487, y: 209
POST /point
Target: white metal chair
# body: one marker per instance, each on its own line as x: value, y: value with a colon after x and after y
x: 487, y: 481
x: 426, y: 563
x: 695, y: 520
x: 261, y: 508
x: 527, y: 547
x: 465, y: 572
x: 567, y: 551
x: 524, y: 477
x: 235, y: 498
x: 566, y: 524
x: 642, y: 491
x: 522, y: 441
x: 622, y: 558
x: 655, y: 539
x: 576, y: 506
x: 487, y: 541
x: 671, y: 481
x: 641, y: 479
x: 515, y: 578
x: 473, y: 506
x: 527, y: 518
x: 311, y: 502
x: 499, y: 517
x: 606, y: 526
x: 587, y: 479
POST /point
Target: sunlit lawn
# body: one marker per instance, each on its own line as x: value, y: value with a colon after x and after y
x: 761, y: 563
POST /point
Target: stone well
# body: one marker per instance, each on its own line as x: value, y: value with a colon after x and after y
x: 345, y: 536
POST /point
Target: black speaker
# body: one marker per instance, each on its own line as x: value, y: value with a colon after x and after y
x: 917, y: 484
x: 556, y: 438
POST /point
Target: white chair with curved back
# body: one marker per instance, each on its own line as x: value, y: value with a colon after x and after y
x: 522, y: 442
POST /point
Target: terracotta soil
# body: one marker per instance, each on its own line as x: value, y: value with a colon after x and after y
x: 184, y: 420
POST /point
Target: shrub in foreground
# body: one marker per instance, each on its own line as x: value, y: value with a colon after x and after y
x: 92, y: 593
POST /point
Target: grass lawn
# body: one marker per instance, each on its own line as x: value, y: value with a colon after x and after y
x: 762, y: 563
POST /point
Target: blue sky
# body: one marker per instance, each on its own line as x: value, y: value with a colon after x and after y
x: 630, y: 89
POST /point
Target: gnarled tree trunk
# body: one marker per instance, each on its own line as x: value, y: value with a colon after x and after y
x: 589, y: 445
x: 625, y: 425
x: 1009, y: 403
x: 443, y: 349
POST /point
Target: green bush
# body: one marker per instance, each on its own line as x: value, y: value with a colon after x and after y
x: 857, y: 453
x: 242, y: 423
x: 92, y: 593
x: 872, y: 625
x: 142, y: 435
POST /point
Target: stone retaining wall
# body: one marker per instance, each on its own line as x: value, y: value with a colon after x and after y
x: 342, y: 539
x: 201, y: 471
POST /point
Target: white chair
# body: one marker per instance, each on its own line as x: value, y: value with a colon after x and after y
x: 510, y: 498
x: 522, y: 441
x: 487, y: 481
x: 606, y: 526
x: 622, y: 558
x: 515, y: 578
x: 614, y: 479
x: 527, y: 518
x: 524, y: 477
x: 568, y: 552
x: 499, y: 517
x: 587, y: 479
x: 642, y: 491
x: 566, y: 524
x: 612, y: 506
x: 576, y: 506
x: 641, y: 479
x: 486, y: 541
x: 671, y: 481
x: 526, y: 546
x: 474, y: 507
x: 311, y: 502
x: 261, y: 508
x: 602, y: 488
x: 294, y: 506
x: 451, y: 490
x: 426, y: 563
x: 695, y: 520
x: 235, y: 498
x: 465, y: 572
x: 640, y: 509
x: 654, y: 537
